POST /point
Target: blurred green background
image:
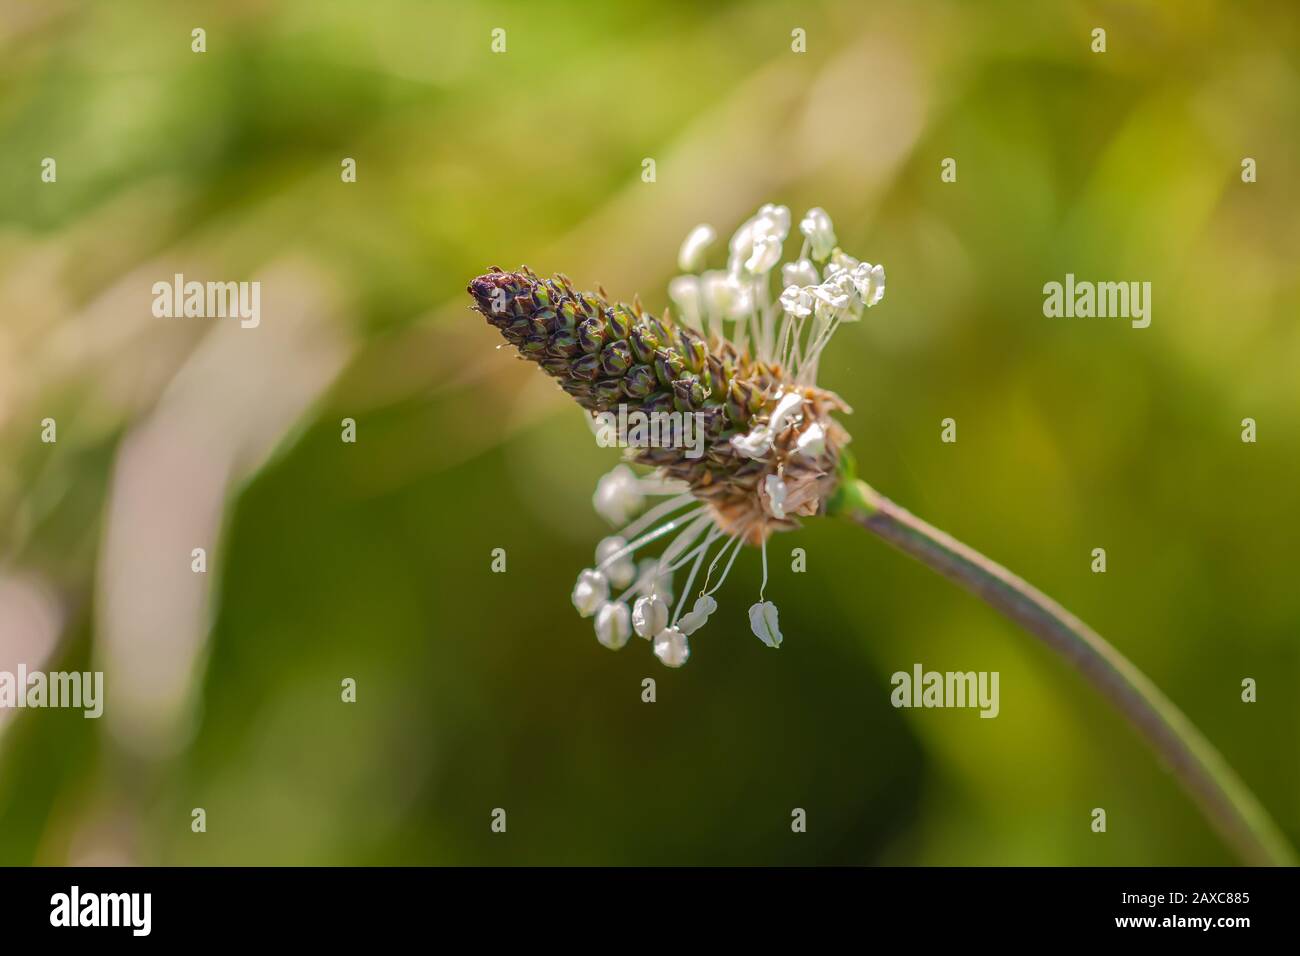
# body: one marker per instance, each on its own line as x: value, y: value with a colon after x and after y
x: 371, y: 560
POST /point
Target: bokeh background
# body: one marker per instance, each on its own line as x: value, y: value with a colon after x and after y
x: 371, y: 561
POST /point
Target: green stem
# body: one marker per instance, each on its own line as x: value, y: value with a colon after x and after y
x: 1223, y: 798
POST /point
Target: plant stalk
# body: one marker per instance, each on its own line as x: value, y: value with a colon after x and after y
x: 1226, y: 802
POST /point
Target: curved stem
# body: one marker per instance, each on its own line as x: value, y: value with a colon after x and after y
x: 1224, y: 799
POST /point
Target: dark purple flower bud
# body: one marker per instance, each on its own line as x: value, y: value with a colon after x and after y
x: 566, y: 316
x: 606, y: 393
x: 737, y: 404
x: 518, y: 329
x: 658, y: 456
x: 668, y: 366
x: 579, y: 390
x: 618, y: 321
x: 520, y: 297
x: 545, y: 319
x: 564, y: 344
x: 640, y: 381
x: 688, y: 394
x: 693, y: 350
x: 715, y: 421
x: 659, y: 402
x: 587, y: 368
x: 616, y: 359
x: 715, y: 373
x: 643, y: 344
x: 591, y: 335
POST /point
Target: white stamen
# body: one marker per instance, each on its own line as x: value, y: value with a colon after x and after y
x: 653, y: 581
x: 766, y: 254
x: 685, y: 291
x: 671, y: 647
x: 684, y: 541
x: 724, y: 296
x: 622, y: 571
x: 774, y: 488
x: 690, y: 623
x: 754, y: 444
x: 799, y: 273
x: 708, y: 575
x: 759, y: 240
x: 786, y: 411
x: 700, y: 553
x: 649, y: 536
x: 655, y: 485
x: 738, y: 540
x: 869, y: 281
x: 591, y: 591
x: 618, y: 495
x: 691, y: 255
x: 816, y: 225
x: 649, y: 616
x: 763, y: 622
x: 812, y: 442
x: 661, y: 510
x: 613, y: 625
x: 714, y: 533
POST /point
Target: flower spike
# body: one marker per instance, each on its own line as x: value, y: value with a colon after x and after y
x: 741, y: 363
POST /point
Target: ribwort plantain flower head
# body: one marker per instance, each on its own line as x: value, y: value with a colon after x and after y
x: 741, y: 363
